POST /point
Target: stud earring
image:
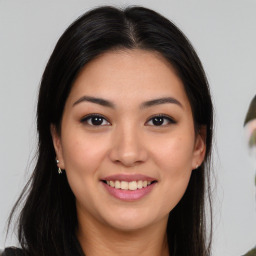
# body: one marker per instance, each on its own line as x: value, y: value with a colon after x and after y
x: 59, y: 170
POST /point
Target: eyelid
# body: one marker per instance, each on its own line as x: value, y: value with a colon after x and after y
x: 87, y: 117
x: 164, y: 116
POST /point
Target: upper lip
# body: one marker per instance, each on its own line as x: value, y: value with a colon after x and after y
x: 128, y: 177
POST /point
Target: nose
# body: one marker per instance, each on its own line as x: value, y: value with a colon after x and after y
x: 127, y: 147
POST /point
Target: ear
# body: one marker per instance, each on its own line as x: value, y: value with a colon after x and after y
x: 57, y: 146
x: 200, y: 147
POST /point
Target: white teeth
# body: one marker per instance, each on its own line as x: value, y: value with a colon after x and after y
x: 132, y: 185
x: 139, y: 184
x: 124, y: 185
x: 117, y: 184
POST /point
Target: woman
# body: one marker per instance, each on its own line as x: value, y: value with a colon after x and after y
x: 124, y: 120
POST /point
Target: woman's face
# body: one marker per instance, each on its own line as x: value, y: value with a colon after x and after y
x: 127, y: 141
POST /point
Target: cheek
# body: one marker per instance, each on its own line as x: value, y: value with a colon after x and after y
x: 174, y: 153
x: 174, y: 159
x: 83, y: 154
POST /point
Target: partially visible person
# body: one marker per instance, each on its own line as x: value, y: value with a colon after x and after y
x: 250, y: 129
x: 251, y: 252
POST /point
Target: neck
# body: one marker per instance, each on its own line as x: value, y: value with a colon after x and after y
x: 98, y: 239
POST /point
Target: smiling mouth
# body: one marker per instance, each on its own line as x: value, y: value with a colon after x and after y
x: 132, y: 185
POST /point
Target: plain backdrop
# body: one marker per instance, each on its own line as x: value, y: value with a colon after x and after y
x: 224, y: 35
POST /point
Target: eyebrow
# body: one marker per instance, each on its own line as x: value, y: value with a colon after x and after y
x: 145, y: 104
x: 99, y: 101
x: 160, y: 101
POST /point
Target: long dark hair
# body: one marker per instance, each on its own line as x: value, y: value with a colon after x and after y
x: 48, y: 221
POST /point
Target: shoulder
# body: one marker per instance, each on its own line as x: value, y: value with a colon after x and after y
x: 12, y: 251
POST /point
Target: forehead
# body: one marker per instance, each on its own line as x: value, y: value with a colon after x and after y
x: 129, y: 75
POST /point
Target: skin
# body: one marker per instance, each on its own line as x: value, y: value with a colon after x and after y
x: 128, y: 142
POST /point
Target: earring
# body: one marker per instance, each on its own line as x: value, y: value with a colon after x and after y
x: 197, y: 165
x: 59, y: 170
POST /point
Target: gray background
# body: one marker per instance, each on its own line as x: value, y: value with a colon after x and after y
x: 224, y: 35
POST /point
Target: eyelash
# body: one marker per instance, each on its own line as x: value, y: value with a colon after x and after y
x: 163, y: 116
x: 169, y: 119
x: 88, y: 117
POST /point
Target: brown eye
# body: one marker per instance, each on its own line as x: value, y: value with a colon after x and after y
x: 160, y: 120
x: 95, y: 120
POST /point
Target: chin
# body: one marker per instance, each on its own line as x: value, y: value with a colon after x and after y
x: 131, y: 220
x: 129, y: 226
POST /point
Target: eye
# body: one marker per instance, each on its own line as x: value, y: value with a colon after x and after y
x: 95, y: 120
x: 160, y: 120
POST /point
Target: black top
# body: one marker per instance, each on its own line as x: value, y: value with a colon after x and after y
x: 18, y: 252
x: 12, y: 252
x: 74, y: 249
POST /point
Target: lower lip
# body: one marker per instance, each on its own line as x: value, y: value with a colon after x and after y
x: 129, y: 195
